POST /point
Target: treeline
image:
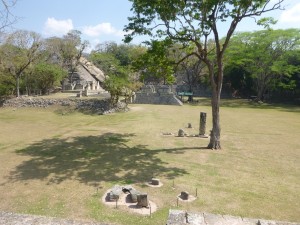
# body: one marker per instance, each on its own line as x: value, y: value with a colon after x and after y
x: 265, y: 64
x: 262, y: 64
x: 30, y: 64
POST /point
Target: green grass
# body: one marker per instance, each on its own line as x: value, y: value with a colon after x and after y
x: 61, y: 165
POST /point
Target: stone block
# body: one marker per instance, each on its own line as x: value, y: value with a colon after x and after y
x: 142, y: 200
x: 184, y: 195
x: 134, y: 195
x: 115, y: 193
x: 176, y: 217
x: 155, y: 181
x: 181, y: 133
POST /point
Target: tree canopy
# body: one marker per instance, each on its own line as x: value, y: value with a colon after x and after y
x: 20, y: 50
x: 194, y: 22
x: 264, y: 55
x: 116, y: 62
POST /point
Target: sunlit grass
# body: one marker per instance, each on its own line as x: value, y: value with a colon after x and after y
x: 60, y: 164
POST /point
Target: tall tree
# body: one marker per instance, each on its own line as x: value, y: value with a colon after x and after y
x: 20, y: 50
x: 194, y: 22
x: 264, y: 55
x: 156, y: 65
x: 116, y: 61
x: 124, y: 53
x: 188, y: 72
x: 45, y: 76
x: 66, y: 51
x: 71, y: 50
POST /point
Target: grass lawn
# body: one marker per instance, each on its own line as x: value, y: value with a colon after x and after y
x: 57, y: 162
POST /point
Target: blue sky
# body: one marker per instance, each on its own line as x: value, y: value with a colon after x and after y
x: 104, y: 20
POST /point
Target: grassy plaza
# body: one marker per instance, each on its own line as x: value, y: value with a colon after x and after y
x: 59, y: 162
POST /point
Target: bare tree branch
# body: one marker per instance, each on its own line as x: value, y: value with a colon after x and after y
x: 6, y: 17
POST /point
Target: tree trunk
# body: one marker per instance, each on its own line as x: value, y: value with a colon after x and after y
x: 216, y: 84
x: 18, y: 85
x: 215, y: 134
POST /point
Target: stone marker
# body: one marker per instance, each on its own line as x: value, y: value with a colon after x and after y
x: 142, y: 200
x: 155, y: 181
x: 202, y: 124
x: 134, y: 195
x: 115, y: 193
x: 181, y: 133
x: 184, y: 195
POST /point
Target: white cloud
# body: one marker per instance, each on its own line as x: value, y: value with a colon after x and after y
x: 102, y: 29
x: 57, y: 27
x: 291, y: 15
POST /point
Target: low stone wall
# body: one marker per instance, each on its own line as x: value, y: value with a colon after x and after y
x: 98, y: 106
x: 180, y: 217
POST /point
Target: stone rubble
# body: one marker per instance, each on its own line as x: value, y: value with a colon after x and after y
x: 97, y: 106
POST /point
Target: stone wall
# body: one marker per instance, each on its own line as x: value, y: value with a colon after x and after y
x: 180, y: 217
x: 8, y: 218
x: 159, y: 95
x: 98, y: 106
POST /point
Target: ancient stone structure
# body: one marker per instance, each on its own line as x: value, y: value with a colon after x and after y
x: 155, y: 181
x: 160, y: 95
x: 87, y: 78
x: 202, y: 124
x: 180, y: 217
x: 134, y: 195
x: 142, y: 200
x: 181, y: 133
x: 97, y: 106
x: 115, y: 193
x: 184, y: 195
x: 176, y: 217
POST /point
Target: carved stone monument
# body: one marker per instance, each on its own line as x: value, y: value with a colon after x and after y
x: 142, y: 200
x: 115, y: 193
x: 155, y: 181
x: 202, y: 124
x: 181, y: 133
x: 134, y: 195
x: 184, y: 195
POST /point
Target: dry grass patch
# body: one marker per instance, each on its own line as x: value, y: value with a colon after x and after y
x: 61, y: 165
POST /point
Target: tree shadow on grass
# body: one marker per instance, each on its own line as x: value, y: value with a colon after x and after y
x: 92, y: 159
